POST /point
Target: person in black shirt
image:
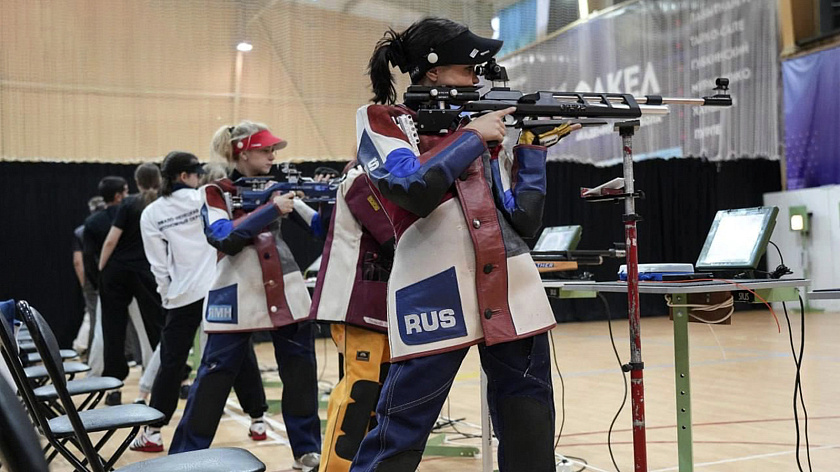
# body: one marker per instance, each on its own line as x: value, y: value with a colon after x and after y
x: 112, y: 189
x: 83, y: 336
x: 126, y: 275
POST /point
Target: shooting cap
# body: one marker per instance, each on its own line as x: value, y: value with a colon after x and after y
x: 179, y: 161
x: 466, y: 48
x: 258, y: 140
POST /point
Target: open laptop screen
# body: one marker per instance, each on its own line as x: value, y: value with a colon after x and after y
x: 737, y: 239
x: 559, y: 238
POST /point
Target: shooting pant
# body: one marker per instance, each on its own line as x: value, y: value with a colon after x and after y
x: 224, y: 358
x: 352, y: 407
x: 519, y: 393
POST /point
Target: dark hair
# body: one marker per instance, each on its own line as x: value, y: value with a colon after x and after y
x: 147, y: 177
x: 173, y: 164
x: 404, y: 50
x: 110, y: 186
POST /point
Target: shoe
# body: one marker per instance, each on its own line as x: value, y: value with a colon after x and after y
x: 257, y: 431
x: 113, y: 398
x: 147, y: 442
x: 140, y: 401
x: 184, y: 392
x: 308, y: 462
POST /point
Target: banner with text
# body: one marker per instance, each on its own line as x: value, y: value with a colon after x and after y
x: 673, y: 49
x: 812, y: 119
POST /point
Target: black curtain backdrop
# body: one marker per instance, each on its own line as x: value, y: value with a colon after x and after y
x: 43, y: 202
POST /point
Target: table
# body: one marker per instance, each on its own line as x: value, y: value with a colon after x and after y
x: 779, y: 290
x: 829, y: 294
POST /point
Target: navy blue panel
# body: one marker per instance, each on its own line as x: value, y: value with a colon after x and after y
x: 430, y: 310
x: 221, y: 305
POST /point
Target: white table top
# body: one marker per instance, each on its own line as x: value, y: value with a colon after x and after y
x: 827, y: 294
x: 676, y: 287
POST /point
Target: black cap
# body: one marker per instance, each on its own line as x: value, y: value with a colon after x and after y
x: 179, y: 161
x: 466, y: 48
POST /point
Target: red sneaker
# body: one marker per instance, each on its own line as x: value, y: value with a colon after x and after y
x: 257, y: 431
x: 147, y: 442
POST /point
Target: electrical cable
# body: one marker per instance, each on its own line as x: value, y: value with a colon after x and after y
x: 451, y: 423
x: 728, y: 303
x: 623, y: 376
x: 781, y: 257
x: 730, y: 282
x: 562, y: 391
x: 797, y: 386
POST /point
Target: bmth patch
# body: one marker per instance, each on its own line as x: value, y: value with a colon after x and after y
x: 430, y: 310
x: 221, y: 305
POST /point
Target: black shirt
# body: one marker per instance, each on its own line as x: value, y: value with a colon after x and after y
x: 78, y: 242
x: 96, y: 230
x: 129, y: 252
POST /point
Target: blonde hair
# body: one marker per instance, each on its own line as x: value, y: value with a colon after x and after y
x: 213, y: 172
x: 222, y: 142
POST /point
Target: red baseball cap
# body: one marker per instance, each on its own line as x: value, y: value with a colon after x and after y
x: 258, y: 140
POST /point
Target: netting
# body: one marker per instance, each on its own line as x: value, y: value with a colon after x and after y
x: 130, y: 80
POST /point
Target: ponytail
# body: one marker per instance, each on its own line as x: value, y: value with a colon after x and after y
x: 148, y: 180
x: 222, y: 145
x: 388, y: 51
x: 405, y: 50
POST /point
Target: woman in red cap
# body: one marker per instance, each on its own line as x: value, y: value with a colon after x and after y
x: 257, y: 287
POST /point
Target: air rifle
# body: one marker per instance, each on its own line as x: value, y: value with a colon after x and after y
x: 255, y: 191
x: 442, y: 107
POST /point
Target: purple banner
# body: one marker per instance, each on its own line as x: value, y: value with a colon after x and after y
x: 812, y: 119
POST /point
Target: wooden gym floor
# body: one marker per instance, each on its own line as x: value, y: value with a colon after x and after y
x: 742, y: 398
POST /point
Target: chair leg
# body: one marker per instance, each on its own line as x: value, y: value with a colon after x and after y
x: 120, y: 450
x: 96, y: 401
x: 79, y: 466
x: 75, y: 442
x: 52, y: 455
x: 83, y: 406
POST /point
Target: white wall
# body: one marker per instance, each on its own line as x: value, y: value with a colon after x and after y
x: 823, y: 243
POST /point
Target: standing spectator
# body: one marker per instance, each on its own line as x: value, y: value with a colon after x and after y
x: 126, y: 275
x: 82, y: 342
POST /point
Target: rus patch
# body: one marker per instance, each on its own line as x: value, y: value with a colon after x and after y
x: 430, y: 310
x: 221, y: 305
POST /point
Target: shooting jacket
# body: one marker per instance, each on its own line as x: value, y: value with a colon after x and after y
x: 257, y: 284
x: 353, y: 277
x: 462, y: 273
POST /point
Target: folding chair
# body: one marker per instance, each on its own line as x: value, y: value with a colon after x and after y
x: 59, y: 430
x: 20, y: 450
x: 94, y: 387
x: 39, y: 376
x: 31, y: 357
x: 76, y: 426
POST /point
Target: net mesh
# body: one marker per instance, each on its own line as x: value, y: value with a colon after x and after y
x: 130, y: 80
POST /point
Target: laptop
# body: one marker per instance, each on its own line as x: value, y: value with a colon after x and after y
x: 736, y: 241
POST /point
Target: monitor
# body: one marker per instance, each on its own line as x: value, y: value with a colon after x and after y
x: 737, y: 239
x: 559, y: 238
